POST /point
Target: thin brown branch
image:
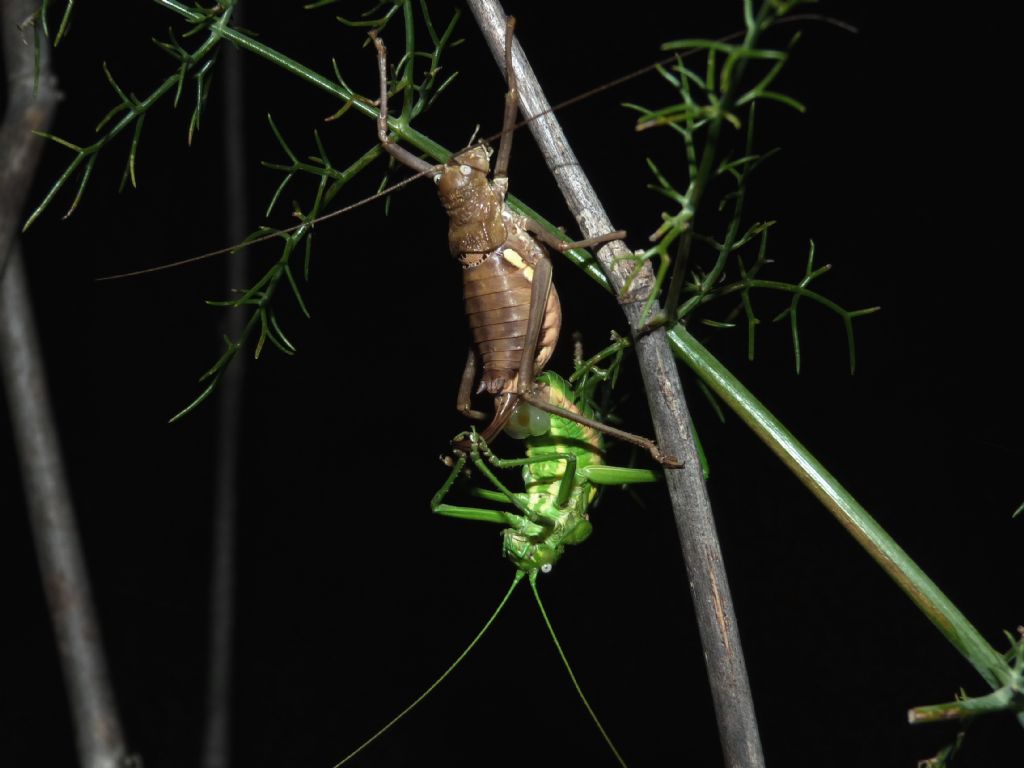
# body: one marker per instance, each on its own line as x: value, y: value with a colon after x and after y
x: 698, y: 537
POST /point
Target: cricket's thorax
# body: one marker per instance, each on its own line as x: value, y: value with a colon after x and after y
x: 474, y: 205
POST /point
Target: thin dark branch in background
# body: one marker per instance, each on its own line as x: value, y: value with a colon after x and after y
x: 719, y: 631
x: 217, y: 730
x: 97, y: 726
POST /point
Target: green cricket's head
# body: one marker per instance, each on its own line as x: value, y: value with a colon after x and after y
x: 527, y: 553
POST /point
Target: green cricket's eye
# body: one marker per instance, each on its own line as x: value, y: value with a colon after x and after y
x: 527, y: 421
x: 546, y: 568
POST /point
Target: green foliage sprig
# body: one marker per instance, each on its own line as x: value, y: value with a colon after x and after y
x: 200, y: 61
x: 419, y: 88
x: 709, y: 100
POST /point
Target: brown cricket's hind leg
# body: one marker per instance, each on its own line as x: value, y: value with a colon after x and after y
x: 562, y: 246
x: 540, y: 289
x: 503, y: 407
x: 401, y: 154
x: 627, y: 437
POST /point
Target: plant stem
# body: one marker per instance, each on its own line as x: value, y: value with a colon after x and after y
x: 98, y: 732
x: 851, y: 515
x: 216, y: 746
x: 27, y: 111
x: 698, y: 538
x: 876, y: 541
x: 62, y: 565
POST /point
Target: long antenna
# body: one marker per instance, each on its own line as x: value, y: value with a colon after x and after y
x: 572, y: 676
x: 515, y: 582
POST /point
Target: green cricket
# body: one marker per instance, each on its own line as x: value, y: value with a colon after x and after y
x: 562, y: 470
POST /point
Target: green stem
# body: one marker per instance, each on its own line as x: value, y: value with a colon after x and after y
x: 851, y: 515
x: 997, y: 701
x: 360, y: 104
x: 364, y: 106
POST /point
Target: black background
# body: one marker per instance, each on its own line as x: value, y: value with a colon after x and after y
x: 352, y: 596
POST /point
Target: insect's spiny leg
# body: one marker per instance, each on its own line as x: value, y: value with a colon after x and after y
x: 401, y: 154
x: 628, y: 437
x: 511, y: 106
x: 562, y: 246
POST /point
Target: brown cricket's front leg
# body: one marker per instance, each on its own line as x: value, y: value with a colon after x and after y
x: 508, y: 122
x: 463, y: 402
x: 401, y: 154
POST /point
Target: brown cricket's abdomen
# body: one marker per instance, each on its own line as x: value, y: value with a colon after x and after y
x: 497, y: 293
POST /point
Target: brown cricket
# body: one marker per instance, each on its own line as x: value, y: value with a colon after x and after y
x: 511, y: 303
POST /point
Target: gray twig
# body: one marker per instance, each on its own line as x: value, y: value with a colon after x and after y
x: 61, y: 563
x: 27, y: 110
x: 216, y: 749
x: 734, y: 707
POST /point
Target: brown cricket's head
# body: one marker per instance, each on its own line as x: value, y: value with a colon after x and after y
x: 473, y: 203
x: 463, y: 172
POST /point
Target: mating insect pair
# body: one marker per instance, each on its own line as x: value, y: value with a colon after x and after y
x: 515, y: 316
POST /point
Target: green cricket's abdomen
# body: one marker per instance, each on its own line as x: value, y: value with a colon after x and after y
x: 555, y: 525
x: 565, y: 436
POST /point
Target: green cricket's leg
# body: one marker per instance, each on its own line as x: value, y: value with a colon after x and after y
x: 488, y: 495
x: 568, y: 475
x: 447, y: 486
x: 438, y: 506
x: 605, y: 475
x: 479, y: 514
x: 515, y: 499
x: 519, y: 523
x: 522, y: 523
